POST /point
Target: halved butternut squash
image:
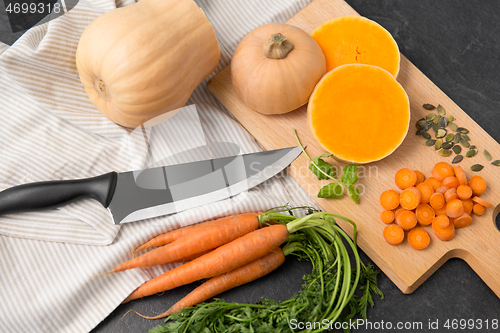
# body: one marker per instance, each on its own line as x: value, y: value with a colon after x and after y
x: 356, y: 39
x: 359, y: 113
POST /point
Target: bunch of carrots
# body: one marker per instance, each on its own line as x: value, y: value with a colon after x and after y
x: 234, y: 250
x: 446, y: 201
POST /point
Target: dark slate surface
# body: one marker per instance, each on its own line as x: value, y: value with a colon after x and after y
x: 456, y: 43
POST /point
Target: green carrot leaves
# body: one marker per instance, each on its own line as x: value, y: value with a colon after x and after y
x: 331, y: 191
x: 326, y: 168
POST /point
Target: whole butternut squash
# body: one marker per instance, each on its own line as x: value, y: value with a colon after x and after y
x: 140, y: 61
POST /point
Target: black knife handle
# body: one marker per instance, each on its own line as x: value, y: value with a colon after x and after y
x: 53, y: 194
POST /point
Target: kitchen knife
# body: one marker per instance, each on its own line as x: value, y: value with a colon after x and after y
x: 138, y: 195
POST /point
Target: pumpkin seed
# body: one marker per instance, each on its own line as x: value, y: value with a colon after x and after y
x: 430, y: 142
x: 470, y: 153
x: 441, y: 133
x: 430, y: 116
x: 421, y: 123
x: 436, y: 120
x: 450, y: 117
x: 456, y: 139
x: 476, y: 167
x: 457, y: 158
x: 487, y: 155
x: 465, y: 136
x: 425, y: 135
x: 496, y: 162
x: 428, y: 106
x: 437, y: 144
x: 452, y: 126
x: 447, y: 145
x: 445, y: 152
x: 457, y: 149
x: 449, y: 137
x: 465, y: 143
x: 463, y: 130
x: 443, y: 122
x: 441, y: 110
x: 473, y: 147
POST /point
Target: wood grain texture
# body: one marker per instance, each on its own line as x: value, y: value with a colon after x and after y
x: 478, y: 244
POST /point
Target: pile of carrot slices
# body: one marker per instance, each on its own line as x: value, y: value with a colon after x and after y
x: 446, y: 201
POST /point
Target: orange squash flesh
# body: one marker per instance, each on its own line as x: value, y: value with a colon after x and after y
x: 356, y: 39
x: 359, y: 113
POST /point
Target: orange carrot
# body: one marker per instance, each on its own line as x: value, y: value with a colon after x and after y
x: 442, y: 189
x: 199, y: 240
x: 394, y: 234
x: 410, y: 198
x: 444, y: 234
x: 460, y: 174
x: 434, y: 183
x: 477, y: 184
x: 407, y: 220
x: 426, y: 191
x: 442, y: 170
x: 455, y: 208
x: 216, y: 285
x: 405, y: 178
x: 478, y: 209
x: 481, y: 202
x: 468, y: 205
x: 418, y: 238
x: 387, y: 216
x: 440, y: 211
x: 389, y: 200
x: 442, y: 221
x: 425, y: 214
x: 462, y: 221
x: 437, y: 201
x: 451, y: 181
x: 420, y: 177
x: 219, y: 261
x: 464, y: 192
x: 397, y: 212
x: 451, y: 194
x: 173, y: 235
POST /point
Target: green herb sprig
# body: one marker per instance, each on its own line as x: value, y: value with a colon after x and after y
x: 323, y: 170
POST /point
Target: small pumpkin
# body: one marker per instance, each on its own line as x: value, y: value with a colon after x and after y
x: 359, y: 113
x: 357, y: 40
x: 146, y: 59
x: 276, y: 67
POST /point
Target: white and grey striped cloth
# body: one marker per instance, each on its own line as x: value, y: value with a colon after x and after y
x: 50, y: 130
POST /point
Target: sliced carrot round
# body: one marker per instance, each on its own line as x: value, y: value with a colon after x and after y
x: 462, y: 221
x: 442, y: 221
x: 440, y: 211
x: 442, y: 170
x: 410, y: 198
x: 468, y: 205
x: 420, y: 177
x: 397, y: 212
x: 478, y: 209
x: 451, y: 181
x: 477, y: 184
x: 451, y: 194
x: 387, y: 216
x: 444, y: 234
x: 426, y: 191
x: 418, y: 238
x: 437, y: 201
x: 442, y: 189
x: 481, y: 202
x: 425, y: 214
x: 407, y: 220
x: 434, y: 183
x: 394, y: 234
x: 455, y: 208
x: 389, y: 200
x: 460, y: 174
x: 464, y: 192
x: 405, y: 178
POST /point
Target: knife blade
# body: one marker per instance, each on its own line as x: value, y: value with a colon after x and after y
x: 137, y: 195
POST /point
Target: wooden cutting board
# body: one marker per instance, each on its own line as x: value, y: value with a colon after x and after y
x: 478, y: 244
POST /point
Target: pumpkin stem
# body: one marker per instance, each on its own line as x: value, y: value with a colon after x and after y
x: 277, y: 46
x: 101, y: 89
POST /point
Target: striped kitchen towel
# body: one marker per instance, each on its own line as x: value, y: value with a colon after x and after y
x: 50, y: 130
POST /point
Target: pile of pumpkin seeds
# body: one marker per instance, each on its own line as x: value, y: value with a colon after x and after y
x: 448, y: 137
